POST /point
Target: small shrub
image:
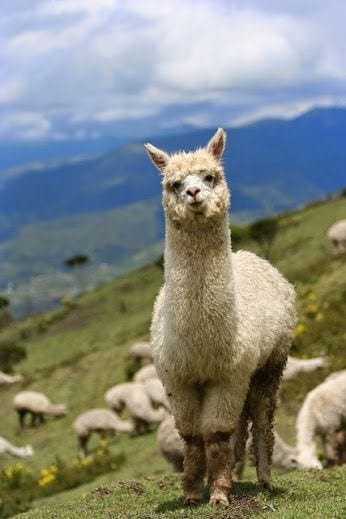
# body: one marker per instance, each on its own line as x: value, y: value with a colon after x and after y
x: 10, y: 354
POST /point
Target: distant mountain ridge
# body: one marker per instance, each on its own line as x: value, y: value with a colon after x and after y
x: 272, y: 166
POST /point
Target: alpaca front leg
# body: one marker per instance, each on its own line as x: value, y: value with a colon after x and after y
x: 220, y: 415
x: 185, y: 402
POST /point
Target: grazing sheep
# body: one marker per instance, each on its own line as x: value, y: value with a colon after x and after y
x: 221, y: 328
x: 323, y: 412
x: 38, y: 405
x: 171, y: 446
x: 6, y: 380
x: 337, y: 234
x: 156, y: 392
x: 133, y: 396
x: 295, y: 366
x: 20, y: 452
x: 170, y: 443
x: 145, y: 373
x: 141, y: 352
x: 101, y: 421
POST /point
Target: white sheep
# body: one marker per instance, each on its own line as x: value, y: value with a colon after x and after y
x: 21, y: 452
x: 222, y: 324
x: 171, y: 446
x: 170, y: 443
x: 337, y: 234
x: 156, y: 392
x: 323, y: 412
x: 38, y: 405
x: 133, y: 396
x: 101, y: 421
x: 295, y: 366
x: 141, y: 352
x: 6, y: 380
x: 145, y: 373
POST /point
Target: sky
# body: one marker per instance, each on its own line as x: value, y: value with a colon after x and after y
x: 75, y: 69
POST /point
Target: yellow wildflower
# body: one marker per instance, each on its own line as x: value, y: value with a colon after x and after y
x: 319, y: 317
x: 300, y: 328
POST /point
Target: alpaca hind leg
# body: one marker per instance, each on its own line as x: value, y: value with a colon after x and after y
x: 239, y: 445
x: 185, y: 402
x: 262, y: 401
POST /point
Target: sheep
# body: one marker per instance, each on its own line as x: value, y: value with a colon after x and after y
x: 133, y: 396
x: 295, y: 366
x: 337, y: 234
x: 323, y: 413
x: 101, y: 421
x: 145, y: 373
x: 21, y: 452
x: 38, y: 405
x: 222, y: 325
x: 171, y: 446
x: 170, y: 443
x: 156, y: 392
x: 141, y: 351
x: 6, y: 380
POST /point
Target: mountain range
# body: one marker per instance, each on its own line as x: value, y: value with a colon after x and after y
x: 108, y: 206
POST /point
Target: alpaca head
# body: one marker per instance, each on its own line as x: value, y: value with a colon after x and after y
x: 194, y: 185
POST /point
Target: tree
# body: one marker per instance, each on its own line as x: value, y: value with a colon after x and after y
x: 5, y: 316
x: 264, y: 232
x: 77, y: 264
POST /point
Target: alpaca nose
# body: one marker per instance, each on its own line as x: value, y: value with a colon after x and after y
x: 192, y: 191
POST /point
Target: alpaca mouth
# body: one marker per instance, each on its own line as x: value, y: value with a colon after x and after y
x: 196, y: 206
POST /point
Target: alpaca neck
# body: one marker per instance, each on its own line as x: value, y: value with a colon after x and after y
x: 198, y: 266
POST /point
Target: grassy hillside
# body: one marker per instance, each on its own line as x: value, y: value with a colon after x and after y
x: 79, y: 350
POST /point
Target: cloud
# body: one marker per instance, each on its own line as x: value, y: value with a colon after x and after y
x: 106, y: 61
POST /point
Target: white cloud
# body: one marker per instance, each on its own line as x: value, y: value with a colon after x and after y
x: 106, y: 60
x: 25, y: 125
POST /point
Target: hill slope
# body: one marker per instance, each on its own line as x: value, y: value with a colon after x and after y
x: 76, y: 352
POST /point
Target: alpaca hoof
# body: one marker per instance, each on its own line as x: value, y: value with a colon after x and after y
x: 219, y: 500
x: 266, y: 487
x: 192, y: 501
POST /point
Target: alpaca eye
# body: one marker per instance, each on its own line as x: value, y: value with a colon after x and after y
x: 176, y: 185
x: 209, y: 178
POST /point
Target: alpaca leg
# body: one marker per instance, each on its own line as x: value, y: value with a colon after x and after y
x: 221, y: 410
x: 262, y: 401
x: 238, y: 445
x: 185, y: 403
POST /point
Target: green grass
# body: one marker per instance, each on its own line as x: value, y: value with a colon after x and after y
x: 296, y: 495
x: 82, y: 350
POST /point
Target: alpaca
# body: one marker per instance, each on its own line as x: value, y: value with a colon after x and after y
x: 145, y: 373
x: 337, y: 234
x: 323, y: 413
x: 38, y: 405
x: 101, y: 421
x: 6, y: 380
x: 295, y: 366
x: 141, y: 352
x: 222, y: 325
x: 133, y: 396
x: 20, y: 452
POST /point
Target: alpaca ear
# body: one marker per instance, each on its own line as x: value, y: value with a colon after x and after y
x: 216, y: 145
x: 158, y: 157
